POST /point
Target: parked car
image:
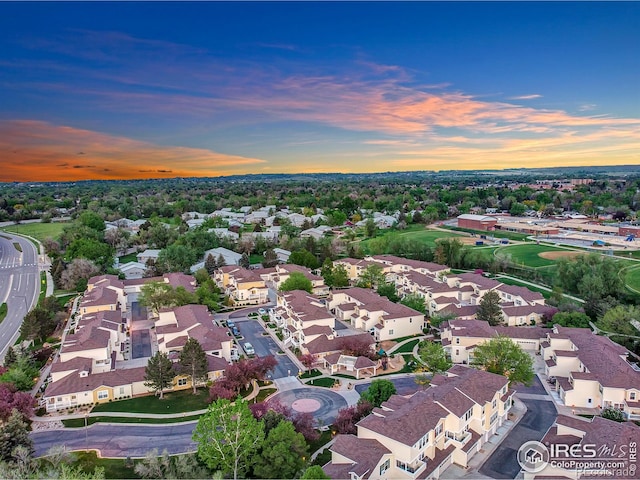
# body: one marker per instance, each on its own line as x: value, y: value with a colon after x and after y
x: 248, y: 348
x: 262, y: 311
x: 230, y: 323
x: 235, y: 331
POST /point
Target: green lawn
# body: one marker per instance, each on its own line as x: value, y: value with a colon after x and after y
x: 132, y: 257
x: 173, y: 402
x: 264, y: 393
x: 79, y: 422
x: 426, y: 236
x: 632, y: 278
x: 113, y: 467
x: 407, y: 347
x: 496, y: 234
x: 254, y: 258
x: 322, y: 382
x: 39, y: 231
x: 528, y: 254
x: 3, y: 311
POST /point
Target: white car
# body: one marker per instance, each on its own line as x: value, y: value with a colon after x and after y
x: 248, y: 348
x: 262, y: 311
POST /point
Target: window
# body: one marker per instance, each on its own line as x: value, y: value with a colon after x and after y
x: 121, y: 390
x: 385, y: 466
x: 103, y: 394
x: 182, y: 382
x: 458, y: 340
x: 467, y: 415
x: 390, y: 332
x: 632, y: 396
x: 494, y: 403
x: 439, y: 430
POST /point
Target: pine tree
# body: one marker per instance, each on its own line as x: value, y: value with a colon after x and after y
x: 244, y: 260
x: 489, y: 308
x: 159, y: 372
x: 193, y: 361
x: 210, y: 264
x: 220, y: 262
x: 10, y: 357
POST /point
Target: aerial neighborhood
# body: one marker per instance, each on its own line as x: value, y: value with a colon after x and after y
x: 276, y: 304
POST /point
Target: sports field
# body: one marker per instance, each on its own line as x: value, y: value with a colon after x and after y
x: 39, y: 231
x: 534, y: 255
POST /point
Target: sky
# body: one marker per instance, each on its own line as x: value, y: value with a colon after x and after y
x: 100, y: 90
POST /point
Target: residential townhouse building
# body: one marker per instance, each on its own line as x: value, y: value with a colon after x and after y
x: 590, y: 370
x: 244, y: 287
x: 368, y: 311
x: 421, y: 435
x: 176, y: 325
x: 355, y: 267
x: 302, y: 316
x: 460, y: 337
x: 281, y: 273
x: 104, y: 292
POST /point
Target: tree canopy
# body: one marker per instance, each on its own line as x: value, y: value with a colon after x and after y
x: 228, y: 437
x: 159, y: 372
x: 378, y: 392
x: 193, y: 361
x: 503, y: 356
x: 296, y: 281
x: 433, y: 356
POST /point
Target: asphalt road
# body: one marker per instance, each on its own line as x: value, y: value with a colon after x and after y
x: 115, y: 440
x: 252, y: 332
x: 19, y: 285
x: 541, y: 414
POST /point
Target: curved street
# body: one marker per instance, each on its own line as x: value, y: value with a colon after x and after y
x: 19, y: 284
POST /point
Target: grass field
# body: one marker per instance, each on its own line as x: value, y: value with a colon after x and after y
x: 132, y: 257
x: 529, y: 254
x: 173, y: 402
x: 79, y: 422
x: 632, y: 278
x: 39, y: 231
x: 113, y: 467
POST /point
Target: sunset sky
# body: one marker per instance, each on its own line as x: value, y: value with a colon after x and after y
x: 124, y: 90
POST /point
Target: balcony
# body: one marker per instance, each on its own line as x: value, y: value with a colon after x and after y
x: 459, y: 439
x: 413, y: 468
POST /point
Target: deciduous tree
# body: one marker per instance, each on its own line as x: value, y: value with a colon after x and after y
x: 283, y: 453
x: 433, y: 356
x: 503, y: 356
x: 296, y: 281
x: 378, y: 392
x: 228, y: 437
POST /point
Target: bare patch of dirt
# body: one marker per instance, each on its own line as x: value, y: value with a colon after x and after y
x: 558, y: 255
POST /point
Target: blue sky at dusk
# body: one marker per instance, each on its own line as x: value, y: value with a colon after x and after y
x: 103, y: 90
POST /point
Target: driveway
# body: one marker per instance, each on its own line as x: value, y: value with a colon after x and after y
x: 541, y: 414
x: 263, y: 344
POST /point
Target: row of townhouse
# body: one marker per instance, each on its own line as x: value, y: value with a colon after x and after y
x: 251, y: 287
x: 615, y: 446
x: 460, y: 337
x: 419, y: 436
x: 306, y: 318
x: 92, y: 365
x: 591, y: 370
x: 447, y: 294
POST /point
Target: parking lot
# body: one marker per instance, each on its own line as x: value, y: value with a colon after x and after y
x: 251, y: 331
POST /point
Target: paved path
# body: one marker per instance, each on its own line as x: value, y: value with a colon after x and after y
x: 323, y: 403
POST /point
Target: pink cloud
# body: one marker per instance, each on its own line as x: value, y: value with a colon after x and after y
x: 35, y: 150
